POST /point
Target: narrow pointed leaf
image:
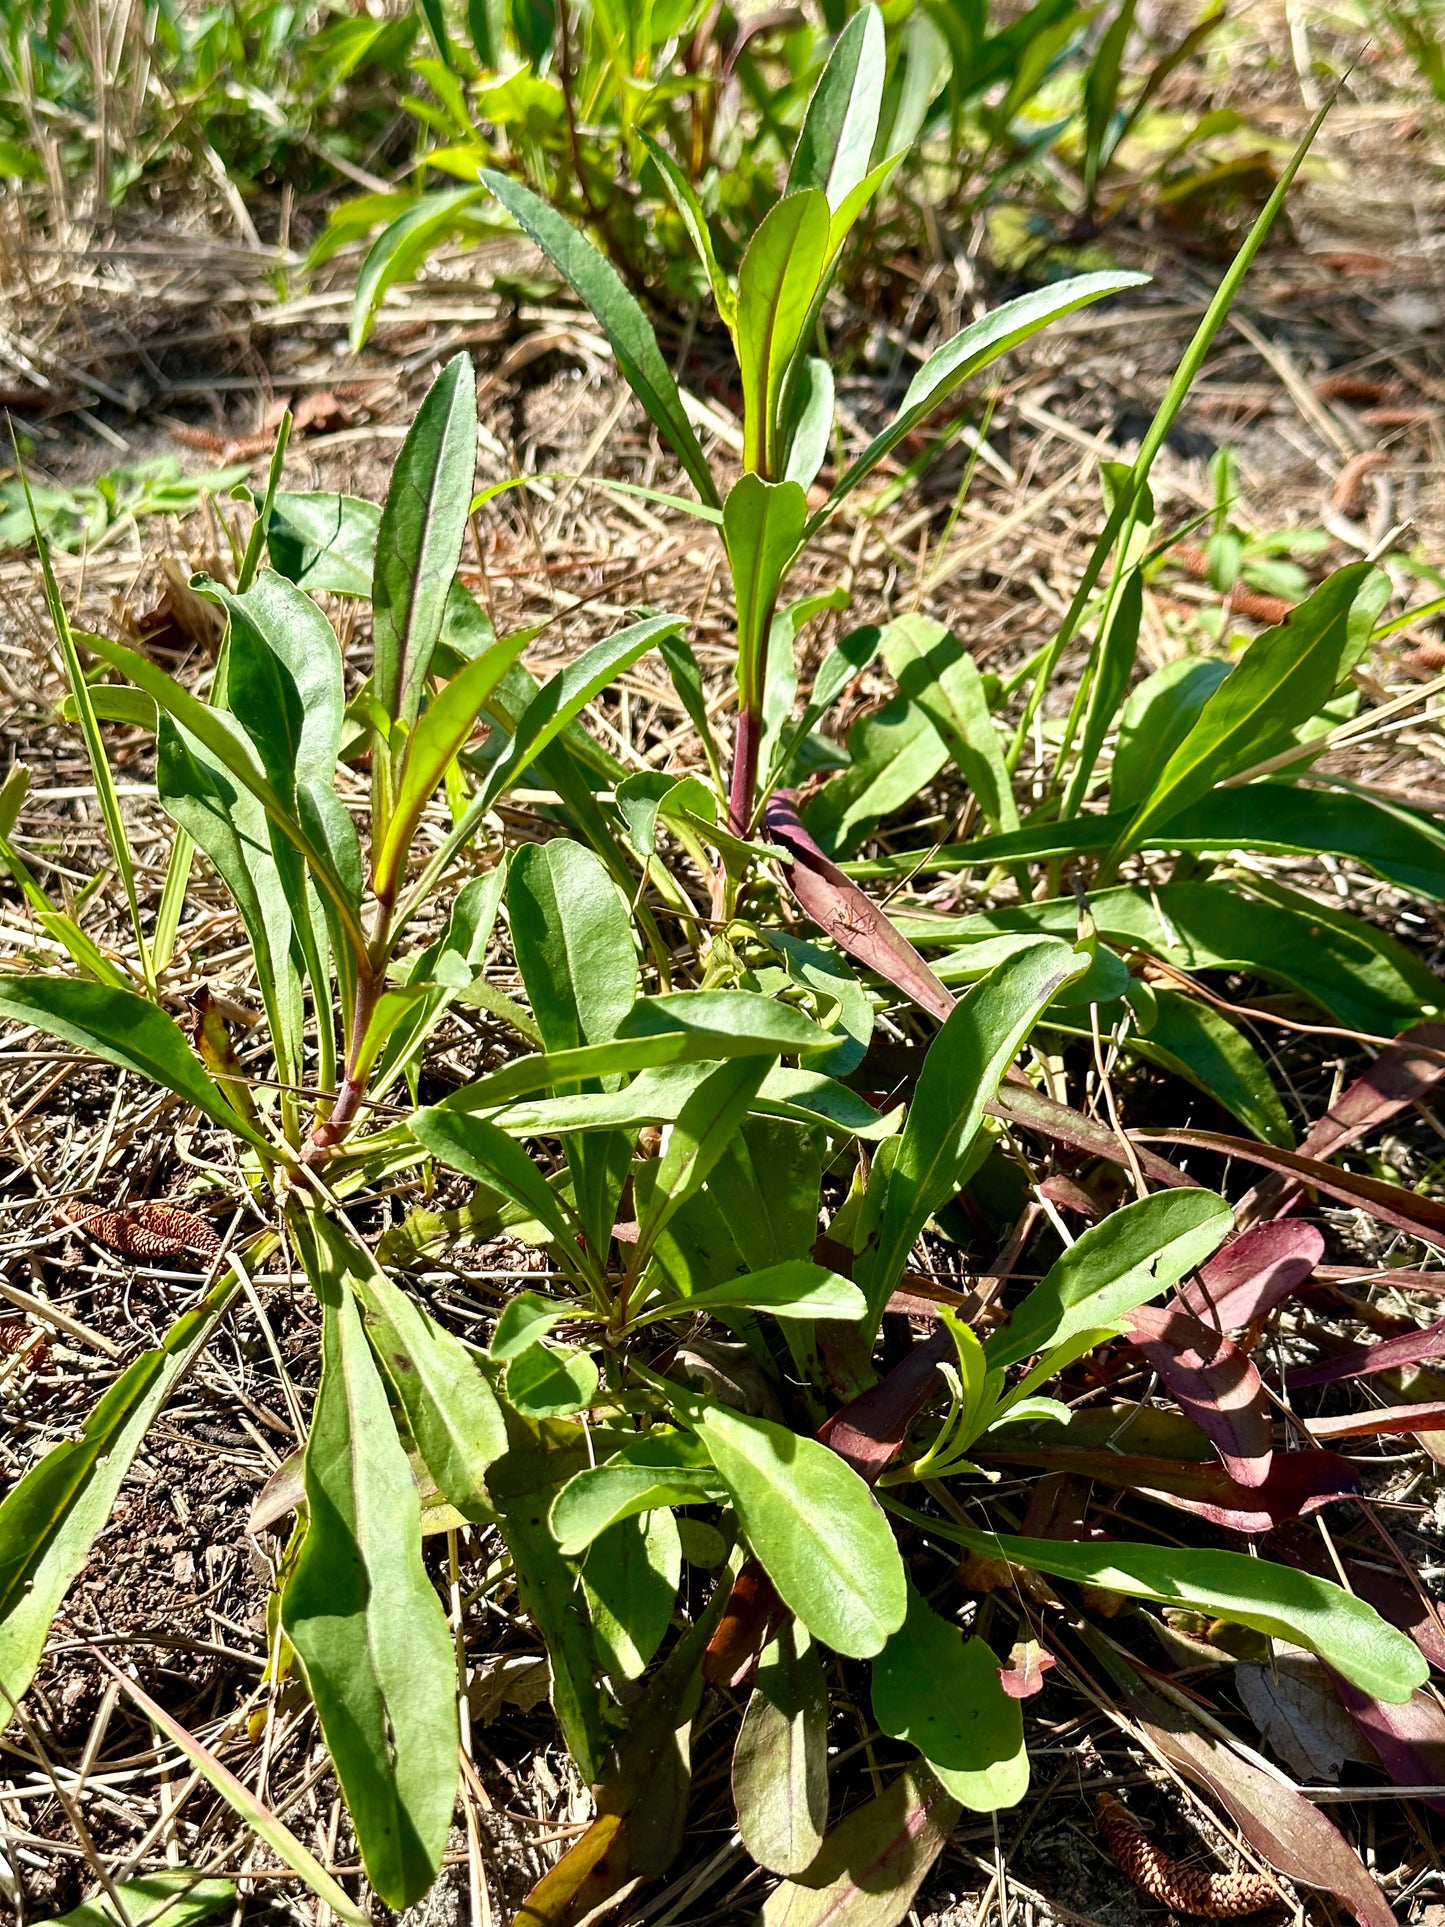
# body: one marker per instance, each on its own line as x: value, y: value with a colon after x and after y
x: 364, y: 1617
x: 598, y: 284
x: 419, y: 538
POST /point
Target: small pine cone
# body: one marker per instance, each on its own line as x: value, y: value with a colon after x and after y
x: 148, y: 1230
x: 1188, y: 1890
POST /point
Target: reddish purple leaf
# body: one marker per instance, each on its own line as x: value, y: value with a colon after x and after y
x: 1250, y: 1275
x: 1404, y: 1607
x: 1024, y: 1674
x: 1278, y: 1821
x: 751, y: 1616
x: 1390, y: 1203
x: 1361, y: 1361
x: 1019, y: 1103
x: 1409, y: 1739
x: 1383, y: 1418
x: 1070, y: 1196
x: 842, y: 911
x: 1382, y: 1275
x: 1398, y: 1077
x: 1213, y: 1382
x: 868, y: 1431
x: 1298, y: 1482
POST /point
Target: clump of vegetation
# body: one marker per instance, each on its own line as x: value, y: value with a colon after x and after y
x: 686, y: 1123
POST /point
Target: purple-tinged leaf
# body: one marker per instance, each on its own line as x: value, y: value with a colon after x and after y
x: 1383, y: 1419
x: 1249, y: 1276
x: 1024, y: 1674
x: 1398, y: 1077
x: 1277, y: 1821
x: 1392, y: 1204
x: 752, y: 1614
x: 872, y: 1863
x: 1298, y: 1482
x: 1020, y: 1104
x: 842, y: 911
x: 1362, y: 1361
x: 1409, y: 1739
x: 1213, y: 1382
x: 868, y: 1431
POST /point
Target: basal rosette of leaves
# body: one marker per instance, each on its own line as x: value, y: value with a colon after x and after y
x: 721, y: 1164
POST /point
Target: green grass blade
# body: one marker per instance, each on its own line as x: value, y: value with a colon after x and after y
x: 1124, y: 513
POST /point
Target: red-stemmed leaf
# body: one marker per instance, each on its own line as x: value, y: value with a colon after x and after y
x: 843, y: 912
x: 1213, y: 1382
x: 1409, y: 1739
x: 1249, y: 1276
x: 1362, y: 1361
x: 1392, y: 1204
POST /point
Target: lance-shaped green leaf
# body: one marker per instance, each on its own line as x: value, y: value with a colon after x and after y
x: 450, y: 1408
x: 1116, y: 1265
x: 780, y: 276
x: 841, y: 124
x: 814, y: 1525
x: 523, y: 1487
x: 695, y: 221
x: 123, y: 1029
x: 1159, y: 714
x: 221, y: 737
x: 684, y: 1027
x: 419, y: 538
x: 478, y: 1149
x: 704, y: 1128
x: 794, y: 1288
x: 762, y: 528
x: 597, y: 284
x: 1281, y: 681
x: 401, y: 247
x: 450, y: 719
x: 49, y: 1518
x: 284, y: 679
x: 940, y: 1691
x: 661, y: 1468
x: 1277, y: 1600
x: 959, y: 1078
x: 780, y: 1762
x: 364, y: 1618
x: 630, y: 1577
x: 575, y: 949
x: 809, y: 427
x: 179, y: 1897
x: 930, y: 667
x: 971, y: 350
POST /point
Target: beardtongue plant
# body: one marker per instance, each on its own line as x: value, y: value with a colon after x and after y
x: 607, y: 1437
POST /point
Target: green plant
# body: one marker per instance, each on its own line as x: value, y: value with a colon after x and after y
x: 76, y: 519
x: 779, y: 1204
x: 248, y: 94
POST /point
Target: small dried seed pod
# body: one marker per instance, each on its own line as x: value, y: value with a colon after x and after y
x: 1188, y: 1890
